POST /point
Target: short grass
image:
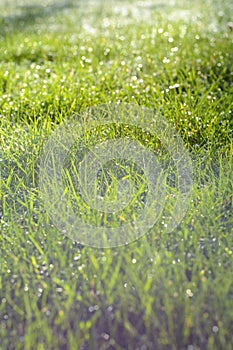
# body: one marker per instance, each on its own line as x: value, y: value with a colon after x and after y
x: 164, y: 291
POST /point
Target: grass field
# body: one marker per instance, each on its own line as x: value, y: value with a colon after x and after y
x: 165, y: 291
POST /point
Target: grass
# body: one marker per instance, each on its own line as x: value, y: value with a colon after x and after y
x: 163, y: 291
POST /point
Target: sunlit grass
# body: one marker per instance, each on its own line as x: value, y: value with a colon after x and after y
x: 164, y: 291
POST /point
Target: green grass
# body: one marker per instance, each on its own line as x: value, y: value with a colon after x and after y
x: 164, y: 291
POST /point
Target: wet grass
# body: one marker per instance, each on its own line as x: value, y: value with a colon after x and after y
x: 164, y: 291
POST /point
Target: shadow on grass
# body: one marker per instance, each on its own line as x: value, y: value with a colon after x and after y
x: 22, y: 17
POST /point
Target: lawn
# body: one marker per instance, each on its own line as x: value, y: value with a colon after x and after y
x: 166, y: 290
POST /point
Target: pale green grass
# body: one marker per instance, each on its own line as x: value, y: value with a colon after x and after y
x: 164, y: 291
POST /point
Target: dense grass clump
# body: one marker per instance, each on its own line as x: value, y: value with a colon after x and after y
x: 166, y: 290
